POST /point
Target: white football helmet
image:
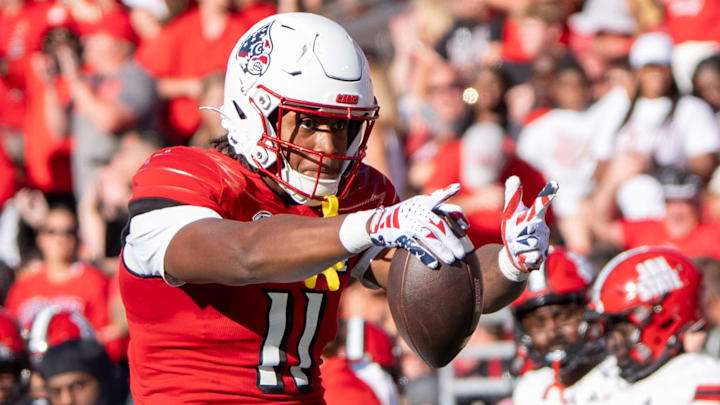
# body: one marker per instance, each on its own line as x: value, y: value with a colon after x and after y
x: 305, y: 63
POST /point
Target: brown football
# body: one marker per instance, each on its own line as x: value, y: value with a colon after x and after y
x: 435, y: 311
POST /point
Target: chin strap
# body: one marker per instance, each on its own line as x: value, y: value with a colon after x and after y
x: 556, y: 384
x: 330, y: 209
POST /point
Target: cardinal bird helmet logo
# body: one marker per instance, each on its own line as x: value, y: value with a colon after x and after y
x: 255, y: 51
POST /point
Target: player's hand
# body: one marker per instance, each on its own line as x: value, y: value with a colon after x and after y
x: 524, y: 231
x: 420, y: 225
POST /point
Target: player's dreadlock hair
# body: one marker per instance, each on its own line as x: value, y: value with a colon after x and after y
x: 222, y: 145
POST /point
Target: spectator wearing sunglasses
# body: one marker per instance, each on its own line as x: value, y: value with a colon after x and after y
x: 60, y: 279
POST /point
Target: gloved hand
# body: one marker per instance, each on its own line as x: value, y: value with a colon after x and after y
x: 524, y: 231
x: 418, y: 225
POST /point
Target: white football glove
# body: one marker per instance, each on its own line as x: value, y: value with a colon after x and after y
x: 524, y: 231
x: 421, y: 226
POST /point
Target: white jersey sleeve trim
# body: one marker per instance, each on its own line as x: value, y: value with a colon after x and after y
x: 150, y: 235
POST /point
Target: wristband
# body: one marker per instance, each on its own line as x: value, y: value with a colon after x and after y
x: 353, y: 231
x: 508, y: 269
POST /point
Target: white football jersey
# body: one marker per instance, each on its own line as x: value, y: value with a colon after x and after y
x: 689, y: 378
x: 559, y: 144
x: 536, y: 387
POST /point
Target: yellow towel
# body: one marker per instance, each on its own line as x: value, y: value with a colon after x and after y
x: 330, y: 209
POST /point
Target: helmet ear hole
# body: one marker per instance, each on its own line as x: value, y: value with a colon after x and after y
x: 273, y: 119
x: 354, y: 128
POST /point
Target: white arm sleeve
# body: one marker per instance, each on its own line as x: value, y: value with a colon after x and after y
x: 150, y: 234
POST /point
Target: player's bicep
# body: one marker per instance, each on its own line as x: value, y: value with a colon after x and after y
x: 150, y: 234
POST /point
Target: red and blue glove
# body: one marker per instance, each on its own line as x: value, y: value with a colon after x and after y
x: 524, y: 231
x: 419, y: 226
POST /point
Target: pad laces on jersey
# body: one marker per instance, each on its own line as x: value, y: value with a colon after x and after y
x: 330, y: 207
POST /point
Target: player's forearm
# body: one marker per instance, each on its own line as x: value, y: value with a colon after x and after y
x: 498, y: 291
x: 281, y: 248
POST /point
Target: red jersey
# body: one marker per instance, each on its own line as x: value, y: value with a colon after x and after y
x: 692, y: 20
x: 702, y: 241
x: 84, y: 292
x: 343, y: 387
x: 217, y: 344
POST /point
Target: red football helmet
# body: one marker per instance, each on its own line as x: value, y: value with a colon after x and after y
x: 13, y: 359
x: 657, y: 290
x: 54, y: 325
x: 12, y: 346
x: 562, y: 279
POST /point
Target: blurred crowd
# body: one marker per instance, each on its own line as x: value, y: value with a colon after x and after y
x: 617, y: 100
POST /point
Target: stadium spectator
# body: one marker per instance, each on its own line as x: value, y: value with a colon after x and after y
x: 351, y: 372
x: 50, y: 327
x: 648, y: 299
x: 278, y: 75
x: 691, y: 26
x: 48, y: 132
x: 439, y: 117
x: 680, y: 226
x: 658, y: 125
x: 385, y: 149
x: 102, y: 211
x: 190, y: 47
x: 22, y: 28
x: 481, y: 162
x: 709, y: 339
x: 557, y: 143
x: 211, y: 95
x: 118, y: 96
x: 567, y: 355
x: 601, y: 33
x: 60, y: 280
x: 77, y: 372
x: 474, y: 38
x: 414, y: 33
x: 706, y: 82
x: 148, y: 17
x: 486, y: 96
x: 532, y: 39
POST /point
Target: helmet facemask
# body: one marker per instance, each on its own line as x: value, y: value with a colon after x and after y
x: 311, y: 190
x: 650, y: 297
x: 570, y: 356
x: 655, y: 339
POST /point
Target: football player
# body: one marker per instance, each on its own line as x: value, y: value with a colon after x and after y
x: 234, y: 258
x: 550, y: 323
x: 648, y: 299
